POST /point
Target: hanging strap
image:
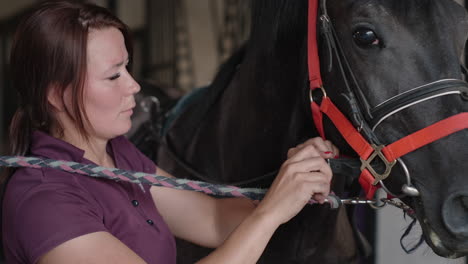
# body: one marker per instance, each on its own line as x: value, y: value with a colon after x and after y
x: 313, y: 61
x: 312, y: 46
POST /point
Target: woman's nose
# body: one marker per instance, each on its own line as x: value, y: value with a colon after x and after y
x: 133, y: 86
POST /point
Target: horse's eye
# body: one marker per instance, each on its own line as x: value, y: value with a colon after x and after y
x: 365, y: 37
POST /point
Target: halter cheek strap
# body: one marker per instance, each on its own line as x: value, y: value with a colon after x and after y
x: 313, y: 61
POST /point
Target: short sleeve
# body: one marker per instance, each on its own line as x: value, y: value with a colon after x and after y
x: 50, y: 215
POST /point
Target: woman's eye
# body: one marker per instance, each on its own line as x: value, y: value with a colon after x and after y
x: 366, y: 38
x: 114, y: 77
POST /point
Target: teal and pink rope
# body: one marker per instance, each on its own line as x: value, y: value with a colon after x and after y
x: 135, y: 177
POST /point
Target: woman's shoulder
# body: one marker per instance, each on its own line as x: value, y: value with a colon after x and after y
x: 28, y: 179
x: 46, y: 212
x: 31, y: 192
x: 42, y: 187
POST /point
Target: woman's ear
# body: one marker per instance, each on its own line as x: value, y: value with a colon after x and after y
x: 55, y: 98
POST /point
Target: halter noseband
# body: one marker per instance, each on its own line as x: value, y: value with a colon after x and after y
x: 362, y: 139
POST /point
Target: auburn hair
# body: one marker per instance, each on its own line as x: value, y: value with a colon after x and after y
x: 49, y: 50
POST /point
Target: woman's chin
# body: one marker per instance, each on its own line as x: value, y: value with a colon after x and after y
x: 124, y: 130
x: 115, y: 130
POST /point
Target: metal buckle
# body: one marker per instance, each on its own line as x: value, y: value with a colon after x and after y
x: 366, y: 164
x: 323, y: 92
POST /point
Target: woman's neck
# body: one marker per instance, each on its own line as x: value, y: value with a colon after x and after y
x: 95, y: 149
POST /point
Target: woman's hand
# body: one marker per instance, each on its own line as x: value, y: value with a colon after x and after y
x: 304, y: 175
x: 325, y: 147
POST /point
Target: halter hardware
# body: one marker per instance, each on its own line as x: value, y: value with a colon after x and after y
x: 311, y: 96
x: 366, y: 164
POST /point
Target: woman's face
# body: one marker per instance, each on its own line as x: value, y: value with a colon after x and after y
x: 109, y: 89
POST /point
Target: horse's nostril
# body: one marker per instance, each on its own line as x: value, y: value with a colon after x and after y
x: 455, y: 215
x: 464, y: 201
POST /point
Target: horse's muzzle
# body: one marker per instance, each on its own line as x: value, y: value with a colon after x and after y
x: 455, y: 215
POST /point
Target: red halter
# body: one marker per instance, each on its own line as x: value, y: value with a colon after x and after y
x: 369, y: 179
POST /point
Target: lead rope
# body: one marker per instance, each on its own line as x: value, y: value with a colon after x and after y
x: 218, y: 190
x: 143, y: 178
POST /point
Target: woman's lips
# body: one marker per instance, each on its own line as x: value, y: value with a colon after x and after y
x: 129, y: 111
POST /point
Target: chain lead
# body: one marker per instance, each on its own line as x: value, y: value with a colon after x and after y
x: 335, y: 202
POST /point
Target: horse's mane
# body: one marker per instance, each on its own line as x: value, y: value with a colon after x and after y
x: 278, y: 22
x: 262, y: 64
x: 277, y: 48
x: 213, y: 92
x: 277, y: 25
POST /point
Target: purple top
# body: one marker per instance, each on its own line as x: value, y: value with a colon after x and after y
x: 45, y: 207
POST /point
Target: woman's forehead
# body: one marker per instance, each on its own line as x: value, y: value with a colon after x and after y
x: 106, y: 48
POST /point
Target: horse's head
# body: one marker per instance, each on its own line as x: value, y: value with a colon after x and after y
x: 392, y: 47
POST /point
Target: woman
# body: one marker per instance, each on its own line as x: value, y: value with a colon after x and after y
x: 69, y: 64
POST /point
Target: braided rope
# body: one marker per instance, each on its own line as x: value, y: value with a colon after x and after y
x: 135, y: 177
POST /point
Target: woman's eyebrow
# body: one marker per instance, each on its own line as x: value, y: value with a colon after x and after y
x: 118, y: 65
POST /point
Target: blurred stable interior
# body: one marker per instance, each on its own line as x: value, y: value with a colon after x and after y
x: 178, y: 44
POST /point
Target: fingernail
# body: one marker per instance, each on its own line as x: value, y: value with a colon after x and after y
x: 336, y: 156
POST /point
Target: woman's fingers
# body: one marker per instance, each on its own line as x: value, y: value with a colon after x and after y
x: 311, y: 177
x: 335, y: 151
x: 305, y: 175
x: 302, y: 153
x: 293, y: 188
x: 314, y: 164
x: 320, y: 198
x: 324, y: 147
x: 320, y: 144
x: 315, y: 182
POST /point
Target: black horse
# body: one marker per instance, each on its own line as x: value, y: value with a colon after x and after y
x: 238, y: 129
